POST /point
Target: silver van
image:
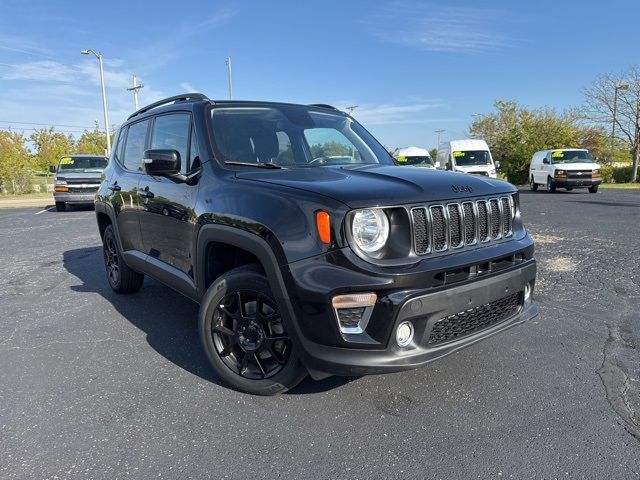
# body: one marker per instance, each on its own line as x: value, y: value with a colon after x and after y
x: 77, y: 179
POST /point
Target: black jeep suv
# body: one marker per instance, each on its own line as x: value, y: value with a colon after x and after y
x: 308, y: 249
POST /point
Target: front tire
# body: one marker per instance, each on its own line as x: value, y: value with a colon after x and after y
x: 61, y: 206
x: 533, y: 185
x: 121, y: 278
x: 244, y: 337
x: 593, y: 189
x: 551, y: 188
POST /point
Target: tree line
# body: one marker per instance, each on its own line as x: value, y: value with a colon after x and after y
x: 514, y: 132
x: 22, y: 155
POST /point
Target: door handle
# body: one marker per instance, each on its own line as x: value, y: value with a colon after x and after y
x: 145, y: 193
x: 114, y: 187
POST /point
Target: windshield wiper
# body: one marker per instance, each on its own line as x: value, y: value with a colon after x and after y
x: 257, y: 165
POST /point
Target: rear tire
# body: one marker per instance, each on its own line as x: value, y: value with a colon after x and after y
x: 593, y: 189
x: 120, y: 277
x: 533, y: 185
x: 61, y: 206
x: 244, y: 337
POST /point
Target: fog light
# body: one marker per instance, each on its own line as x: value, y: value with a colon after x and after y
x: 527, y: 293
x: 353, y: 311
x: 404, y: 334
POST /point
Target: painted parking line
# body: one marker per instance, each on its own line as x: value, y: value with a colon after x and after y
x: 45, y: 210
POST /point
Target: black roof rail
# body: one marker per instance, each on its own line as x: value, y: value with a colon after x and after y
x: 192, y: 97
x: 323, y: 105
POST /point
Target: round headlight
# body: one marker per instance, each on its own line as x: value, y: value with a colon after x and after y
x: 370, y: 229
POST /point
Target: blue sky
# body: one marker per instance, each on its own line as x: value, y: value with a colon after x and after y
x: 412, y: 67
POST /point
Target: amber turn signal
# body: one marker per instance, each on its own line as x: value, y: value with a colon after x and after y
x: 61, y: 189
x: 323, y: 224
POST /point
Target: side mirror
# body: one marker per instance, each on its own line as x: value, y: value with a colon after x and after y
x: 162, y: 163
x: 497, y: 164
x: 52, y: 169
x: 546, y: 161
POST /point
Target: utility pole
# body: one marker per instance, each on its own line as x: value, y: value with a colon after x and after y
x: 230, y: 78
x: 439, y: 132
x: 351, y: 108
x: 135, y: 88
x: 615, y: 111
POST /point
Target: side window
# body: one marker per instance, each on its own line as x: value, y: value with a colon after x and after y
x: 194, y: 155
x: 119, y: 146
x: 134, y: 147
x: 172, y: 132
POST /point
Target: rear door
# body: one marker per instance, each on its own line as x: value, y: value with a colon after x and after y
x: 123, y: 185
x: 167, y: 217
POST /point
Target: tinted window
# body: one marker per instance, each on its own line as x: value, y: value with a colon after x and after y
x: 172, y: 132
x: 194, y: 155
x: 134, y: 147
x: 414, y: 160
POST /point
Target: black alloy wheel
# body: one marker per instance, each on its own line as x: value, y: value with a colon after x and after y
x: 248, y: 335
x: 111, y: 260
x: 245, y: 335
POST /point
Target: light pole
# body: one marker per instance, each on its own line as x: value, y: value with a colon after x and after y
x: 135, y: 88
x: 87, y: 51
x: 351, y: 108
x: 615, y: 111
x: 439, y: 132
x: 229, y: 78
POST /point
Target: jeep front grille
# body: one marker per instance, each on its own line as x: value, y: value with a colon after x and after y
x: 438, y: 228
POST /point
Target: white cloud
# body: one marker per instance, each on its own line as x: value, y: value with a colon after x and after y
x: 389, y: 113
x: 187, y: 87
x: 439, y: 28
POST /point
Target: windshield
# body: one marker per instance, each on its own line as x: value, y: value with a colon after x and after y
x: 471, y: 157
x: 425, y: 161
x: 571, y: 156
x: 82, y: 164
x: 292, y: 136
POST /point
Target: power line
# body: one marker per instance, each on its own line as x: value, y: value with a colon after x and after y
x: 48, y: 124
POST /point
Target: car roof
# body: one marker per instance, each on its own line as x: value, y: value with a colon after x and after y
x: 83, y: 155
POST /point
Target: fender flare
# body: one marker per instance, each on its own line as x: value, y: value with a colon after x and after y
x: 259, y: 247
x: 107, y: 209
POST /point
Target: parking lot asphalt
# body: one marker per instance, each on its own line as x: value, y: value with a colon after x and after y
x: 96, y: 385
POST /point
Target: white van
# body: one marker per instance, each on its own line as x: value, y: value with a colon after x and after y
x: 414, y: 156
x: 564, y: 168
x: 467, y: 156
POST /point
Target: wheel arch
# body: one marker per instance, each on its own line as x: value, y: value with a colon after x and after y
x: 257, y: 247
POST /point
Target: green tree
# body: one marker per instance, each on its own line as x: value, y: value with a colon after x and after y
x: 330, y: 149
x: 514, y: 133
x: 50, y: 146
x: 433, y: 153
x: 15, y: 163
x: 619, y: 93
x: 92, y: 142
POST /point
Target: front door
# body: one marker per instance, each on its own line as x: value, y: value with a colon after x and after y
x: 167, y: 217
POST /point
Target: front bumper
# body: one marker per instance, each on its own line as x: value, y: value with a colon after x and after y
x: 576, y: 182
x: 424, y: 311
x: 415, y: 294
x: 69, y: 197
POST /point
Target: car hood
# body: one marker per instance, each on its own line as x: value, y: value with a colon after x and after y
x: 576, y: 166
x: 371, y: 185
